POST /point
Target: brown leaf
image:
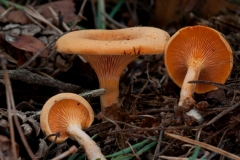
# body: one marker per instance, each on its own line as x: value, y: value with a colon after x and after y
x: 6, y: 152
x: 217, y: 96
x: 27, y: 43
x: 66, y: 8
x: 21, y: 58
x: 15, y: 16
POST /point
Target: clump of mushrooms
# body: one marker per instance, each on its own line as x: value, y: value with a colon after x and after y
x: 197, y: 53
x: 68, y: 114
x: 110, y: 51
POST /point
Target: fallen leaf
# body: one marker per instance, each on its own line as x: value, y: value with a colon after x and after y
x: 14, y: 16
x: 27, y: 43
x: 35, y: 125
x: 66, y: 8
x: 27, y: 129
x: 42, y: 149
x: 21, y: 58
x: 217, y: 96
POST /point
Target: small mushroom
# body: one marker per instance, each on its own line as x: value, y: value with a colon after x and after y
x: 110, y: 51
x: 68, y: 114
x: 197, y: 53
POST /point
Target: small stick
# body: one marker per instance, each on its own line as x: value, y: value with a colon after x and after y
x: 56, y: 17
x: 86, y: 94
x: 34, y: 13
x: 167, y: 146
x: 220, y: 115
x: 219, y: 85
x: 33, y: 78
x: 134, y: 153
x: 3, y: 15
x: 116, y: 23
x: 93, y: 93
x: 80, y: 15
x: 156, y: 152
x: 224, y: 129
x: 139, y: 94
x: 12, y: 134
x: 223, y: 113
x: 71, y: 150
x: 204, y: 145
x: 11, y: 103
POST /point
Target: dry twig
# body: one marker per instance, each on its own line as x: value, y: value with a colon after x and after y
x: 55, y: 16
x: 219, y: 85
x: 11, y: 109
x: 12, y: 134
x: 204, y: 145
x: 33, y: 78
x: 80, y: 15
x: 35, y: 14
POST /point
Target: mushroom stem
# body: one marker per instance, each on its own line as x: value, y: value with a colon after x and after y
x: 92, y: 150
x: 112, y: 94
x: 186, y: 101
x: 109, y: 70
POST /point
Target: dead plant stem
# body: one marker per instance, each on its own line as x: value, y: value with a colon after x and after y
x: 80, y: 15
x: 11, y: 128
x: 13, y: 110
x: 223, y: 113
x: 33, y: 78
x: 159, y: 138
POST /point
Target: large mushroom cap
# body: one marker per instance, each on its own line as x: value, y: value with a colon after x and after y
x: 202, y: 45
x: 130, y: 41
x: 64, y: 109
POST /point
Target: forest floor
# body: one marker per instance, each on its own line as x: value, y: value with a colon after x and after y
x: 32, y: 72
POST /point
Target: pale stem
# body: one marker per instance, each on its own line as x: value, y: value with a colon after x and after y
x: 189, y: 88
x: 93, y: 152
x: 112, y: 94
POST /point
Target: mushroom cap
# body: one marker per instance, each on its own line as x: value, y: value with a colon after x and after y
x: 203, y: 46
x: 64, y: 109
x: 129, y: 41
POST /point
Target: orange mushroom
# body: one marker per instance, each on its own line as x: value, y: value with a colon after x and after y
x: 68, y: 114
x: 197, y: 53
x: 110, y: 51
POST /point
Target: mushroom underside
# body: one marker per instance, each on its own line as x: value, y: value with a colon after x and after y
x: 66, y: 112
x: 109, y: 69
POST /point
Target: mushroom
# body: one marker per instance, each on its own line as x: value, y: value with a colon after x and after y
x: 197, y: 53
x: 110, y: 51
x: 68, y: 114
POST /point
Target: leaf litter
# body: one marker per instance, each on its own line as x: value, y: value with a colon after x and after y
x: 27, y: 36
